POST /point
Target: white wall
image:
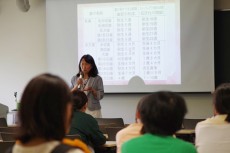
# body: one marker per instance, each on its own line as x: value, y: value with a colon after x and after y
x: 22, y: 47
x: 23, y: 55
x: 124, y: 105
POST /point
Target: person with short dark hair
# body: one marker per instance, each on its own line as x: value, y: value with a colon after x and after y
x: 212, y: 135
x: 84, y: 124
x: 45, y: 115
x: 161, y: 114
x: 88, y: 80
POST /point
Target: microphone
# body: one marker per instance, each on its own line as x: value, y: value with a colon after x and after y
x: 80, y: 77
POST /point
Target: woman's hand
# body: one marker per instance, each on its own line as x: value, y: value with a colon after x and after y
x: 90, y: 89
x: 78, y: 84
x: 79, y: 81
x: 74, y: 88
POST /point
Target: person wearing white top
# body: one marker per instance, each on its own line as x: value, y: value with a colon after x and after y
x: 131, y: 131
x: 213, y: 134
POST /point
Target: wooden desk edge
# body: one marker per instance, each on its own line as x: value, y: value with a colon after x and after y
x: 110, y: 144
x: 186, y: 131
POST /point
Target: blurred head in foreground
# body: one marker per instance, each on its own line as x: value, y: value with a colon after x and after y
x: 45, y: 110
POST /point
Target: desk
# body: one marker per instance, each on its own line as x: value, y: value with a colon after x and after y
x: 110, y: 144
x: 186, y: 131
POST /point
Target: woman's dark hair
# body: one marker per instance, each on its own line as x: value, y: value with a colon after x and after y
x: 222, y: 100
x: 43, y: 108
x: 79, y: 99
x: 162, y: 113
x: 89, y: 59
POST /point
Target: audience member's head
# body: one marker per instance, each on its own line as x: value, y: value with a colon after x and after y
x: 162, y: 113
x: 79, y: 100
x: 45, y: 110
x: 222, y: 100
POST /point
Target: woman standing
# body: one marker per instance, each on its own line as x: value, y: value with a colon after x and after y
x: 88, y: 80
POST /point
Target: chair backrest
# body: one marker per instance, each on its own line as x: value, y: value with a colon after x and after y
x: 9, y: 129
x: 115, y: 122
x: 3, y: 111
x: 5, y: 145
x: 73, y: 136
x: 3, y: 122
x: 190, y: 123
x: 103, y: 127
x: 112, y: 131
x: 8, y: 136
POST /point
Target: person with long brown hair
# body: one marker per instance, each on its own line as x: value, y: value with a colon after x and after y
x: 88, y: 80
x: 45, y: 115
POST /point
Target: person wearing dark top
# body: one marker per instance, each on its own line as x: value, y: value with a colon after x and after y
x: 84, y: 124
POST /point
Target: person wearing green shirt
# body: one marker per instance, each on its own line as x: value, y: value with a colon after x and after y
x: 162, y: 114
x: 84, y: 124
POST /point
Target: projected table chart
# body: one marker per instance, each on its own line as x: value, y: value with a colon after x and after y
x: 130, y: 39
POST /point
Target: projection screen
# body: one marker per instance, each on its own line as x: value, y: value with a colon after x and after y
x: 138, y: 46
